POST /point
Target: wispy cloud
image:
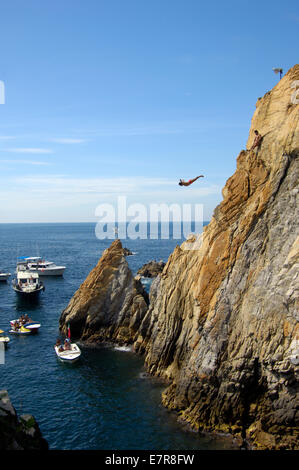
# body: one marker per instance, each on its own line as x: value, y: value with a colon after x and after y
x: 188, y: 126
x: 7, y: 137
x: 25, y: 162
x: 32, y: 150
x: 97, y: 186
x: 93, y: 188
x: 68, y: 141
x: 63, y: 198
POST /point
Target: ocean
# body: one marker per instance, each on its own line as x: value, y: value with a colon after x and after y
x: 105, y: 401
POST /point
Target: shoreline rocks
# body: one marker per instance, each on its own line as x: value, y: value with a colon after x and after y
x: 151, y: 269
x: 18, y: 433
x: 127, y: 252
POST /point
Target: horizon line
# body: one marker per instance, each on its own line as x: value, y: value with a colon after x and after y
x: 107, y: 222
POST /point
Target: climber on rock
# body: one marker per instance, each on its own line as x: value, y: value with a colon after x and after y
x: 187, y: 183
x: 257, y: 141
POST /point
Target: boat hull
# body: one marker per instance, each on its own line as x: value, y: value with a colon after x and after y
x: 20, y: 331
x: 33, y: 326
x: 70, y: 356
x: 28, y: 293
x: 48, y: 272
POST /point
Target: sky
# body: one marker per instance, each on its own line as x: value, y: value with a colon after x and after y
x: 122, y: 98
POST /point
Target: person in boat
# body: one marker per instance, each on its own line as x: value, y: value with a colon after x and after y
x: 67, y: 344
x: 257, y: 140
x: 59, y: 345
x: 187, y: 183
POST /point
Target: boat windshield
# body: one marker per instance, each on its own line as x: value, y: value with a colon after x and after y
x: 31, y: 281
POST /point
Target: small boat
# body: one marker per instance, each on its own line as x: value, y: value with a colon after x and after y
x: 4, y: 339
x: 29, y: 325
x: 20, y: 331
x: 26, y: 283
x: 43, y: 267
x: 4, y: 276
x: 68, y: 355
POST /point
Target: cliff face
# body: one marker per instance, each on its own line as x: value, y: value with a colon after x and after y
x: 110, y: 303
x: 222, y: 325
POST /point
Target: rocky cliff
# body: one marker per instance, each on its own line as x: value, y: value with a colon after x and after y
x: 110, y: 304
x: 222, y: 323
x: 222, y: 326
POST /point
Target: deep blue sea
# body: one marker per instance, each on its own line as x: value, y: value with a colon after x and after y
x: 105, y: 401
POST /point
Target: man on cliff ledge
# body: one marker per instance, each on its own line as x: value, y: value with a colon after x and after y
x: 257, y: 141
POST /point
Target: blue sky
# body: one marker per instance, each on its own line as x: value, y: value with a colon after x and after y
x: 124, y: 97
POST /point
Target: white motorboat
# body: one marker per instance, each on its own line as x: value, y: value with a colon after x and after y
x: 26, y: 283
x: 68, y: 355
x: 4, y: 339
x: 43, y: 267
x: 4, y: 276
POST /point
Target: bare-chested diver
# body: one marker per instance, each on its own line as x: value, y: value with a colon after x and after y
x: 187, y: 183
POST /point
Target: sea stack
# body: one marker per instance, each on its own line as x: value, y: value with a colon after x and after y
x: 151, y: 269
x: 222, y: 326
x: 110, y: 304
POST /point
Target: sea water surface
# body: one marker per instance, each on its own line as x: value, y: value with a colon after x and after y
x: 105, y: 401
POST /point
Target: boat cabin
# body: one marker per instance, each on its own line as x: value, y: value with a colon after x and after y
x: 26, y: 278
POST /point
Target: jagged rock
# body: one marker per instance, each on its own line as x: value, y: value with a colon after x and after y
x: 18, y: 433
x: 151, y: 269
x: 226, y: 305
x: 127, y: 252
x: 110, y: 304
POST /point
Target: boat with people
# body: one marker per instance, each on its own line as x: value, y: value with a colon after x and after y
x: 26, y: 282
x: 44, y: 267
x: 4, y: 339
x: 4, y: 276
x: 26, y: 322
x: 68, y: 352
x: 19, y: 330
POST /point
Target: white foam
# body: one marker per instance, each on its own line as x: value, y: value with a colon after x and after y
x: 123, y: 348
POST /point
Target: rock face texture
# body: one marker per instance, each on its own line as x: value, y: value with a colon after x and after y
x: 151, y: 269
x: 222, y: 322
x: 110, y: 304
x: 222, y: 325
x: 18, y: 433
